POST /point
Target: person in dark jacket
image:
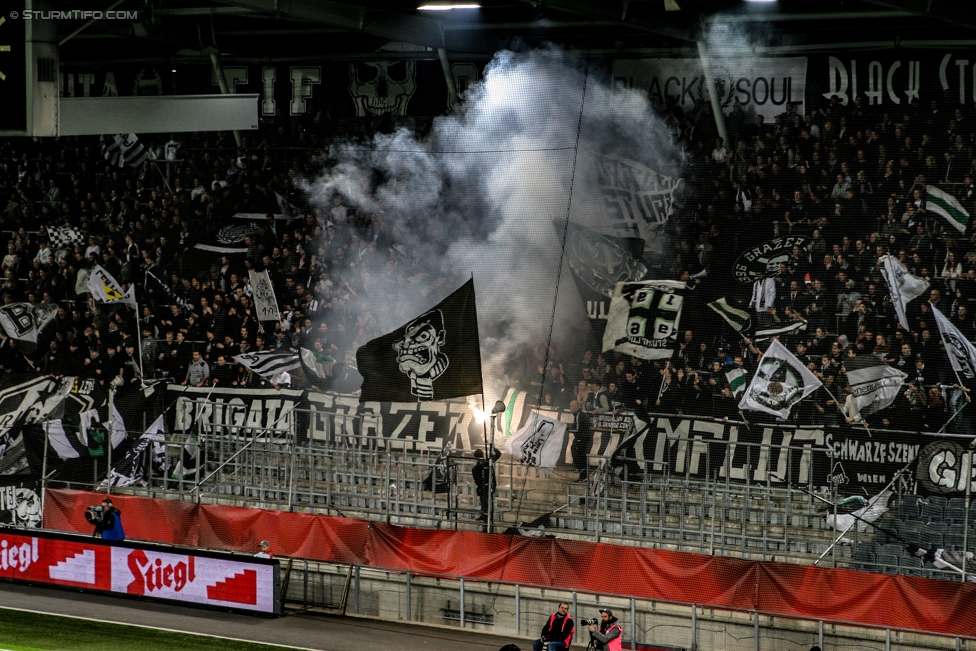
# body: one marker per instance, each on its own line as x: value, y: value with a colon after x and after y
x: 108, y: 522
x: 558, y: 632
x: 483, y: 475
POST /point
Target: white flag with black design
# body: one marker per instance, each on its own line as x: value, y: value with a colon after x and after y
x: 874, y: 384
x: 644, y: 317
x: 124, y: 149
x: 902, y: 286
x: 290, y: 211
x: 539, y: 443
x: 25, y: 320
x: 962, y: 354
x: 65, y: 235
x: 147, y: 455
x: 780, y: 382
x: 269, y: 363
x: 105, y: 289
x: 264, y: 297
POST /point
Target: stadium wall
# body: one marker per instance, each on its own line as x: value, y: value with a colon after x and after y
x: 834, y: 595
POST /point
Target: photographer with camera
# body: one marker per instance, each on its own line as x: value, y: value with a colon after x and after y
x: 107, y: 521
x: 610, y: 635
x: 558, y: 632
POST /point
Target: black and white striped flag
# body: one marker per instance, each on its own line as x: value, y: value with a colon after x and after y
x: 124, y: 149
x: 269, y: 363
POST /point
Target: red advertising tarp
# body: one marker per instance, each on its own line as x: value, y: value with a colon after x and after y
x: 713, y: 581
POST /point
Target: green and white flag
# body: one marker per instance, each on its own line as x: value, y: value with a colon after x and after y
x: 947, y: 206
x: 737, y: 381
x: 780, y: 382
x: 736, y: 318
x: 781, y: 329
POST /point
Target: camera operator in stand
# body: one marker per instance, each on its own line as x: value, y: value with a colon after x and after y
x: 558, y: 632
x: 107, y: 521
x: 609, y: 637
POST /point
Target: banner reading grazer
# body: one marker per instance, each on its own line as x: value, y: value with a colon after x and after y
x: 763, y: 86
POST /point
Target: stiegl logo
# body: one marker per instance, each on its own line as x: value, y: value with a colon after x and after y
x: 153, y: 575
x: 17, y: 557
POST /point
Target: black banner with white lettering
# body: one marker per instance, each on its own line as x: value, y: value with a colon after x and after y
x: 889, y: 80
x: 858, y: 462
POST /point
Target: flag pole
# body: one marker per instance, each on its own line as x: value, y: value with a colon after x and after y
x: 142, y: 370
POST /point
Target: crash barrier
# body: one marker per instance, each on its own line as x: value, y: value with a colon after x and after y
x: 139, y: 569
x: 770, y: 588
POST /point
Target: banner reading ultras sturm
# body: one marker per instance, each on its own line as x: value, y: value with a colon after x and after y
x: 763, y: 86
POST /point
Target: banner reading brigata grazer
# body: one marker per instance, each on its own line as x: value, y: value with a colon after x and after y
x: 147, y: 571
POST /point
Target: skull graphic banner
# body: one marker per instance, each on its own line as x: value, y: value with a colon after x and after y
x: 433, y: 357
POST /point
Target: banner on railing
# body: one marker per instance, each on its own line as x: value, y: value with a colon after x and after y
x: 233, y: 412
x: 697, y: 447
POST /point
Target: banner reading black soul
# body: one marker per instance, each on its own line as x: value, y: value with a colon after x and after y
x: 434, y: 357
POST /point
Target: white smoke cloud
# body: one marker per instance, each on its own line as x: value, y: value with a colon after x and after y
x: 480, y: 193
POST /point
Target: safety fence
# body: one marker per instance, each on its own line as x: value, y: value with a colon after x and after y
x: 747, y: 589
x: 702, y: 486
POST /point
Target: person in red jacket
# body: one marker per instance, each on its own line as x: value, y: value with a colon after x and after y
x: 557, y: 634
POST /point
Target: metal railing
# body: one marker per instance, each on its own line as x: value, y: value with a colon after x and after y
x: 352, y: 471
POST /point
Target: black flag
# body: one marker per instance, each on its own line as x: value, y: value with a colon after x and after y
x: 434, y: 357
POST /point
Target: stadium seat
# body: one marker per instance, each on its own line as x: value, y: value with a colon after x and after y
x: 872, y: 547
x: 891, y: 549
x: 941, y: 527
x: 908, y: 510
x: 913, y: 536
x: 931, y: 539
x: 931, y: 513
x: 955, y: 515
x: 954, y: 541
x: 864, y: 560
x: 911, y: 565
x: 888, y: 563
x: 957, y: 502
x: 938, y: 499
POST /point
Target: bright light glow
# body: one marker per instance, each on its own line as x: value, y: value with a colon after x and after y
x: 480, y: 416
x: 447, y: 7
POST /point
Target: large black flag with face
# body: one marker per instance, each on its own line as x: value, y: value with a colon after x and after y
x: 434, y: 357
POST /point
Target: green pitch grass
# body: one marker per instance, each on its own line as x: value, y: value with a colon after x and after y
x: 23, y: 631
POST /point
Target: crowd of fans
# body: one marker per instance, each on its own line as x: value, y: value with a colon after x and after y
x: 852, y: 179
x: 141, y: 223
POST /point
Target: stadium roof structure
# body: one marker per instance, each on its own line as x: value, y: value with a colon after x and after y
x: 281, y: 30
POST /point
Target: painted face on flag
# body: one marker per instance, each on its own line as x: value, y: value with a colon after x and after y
x: 27, y: 512
x: 783, y: 385
x: 419, y: 354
